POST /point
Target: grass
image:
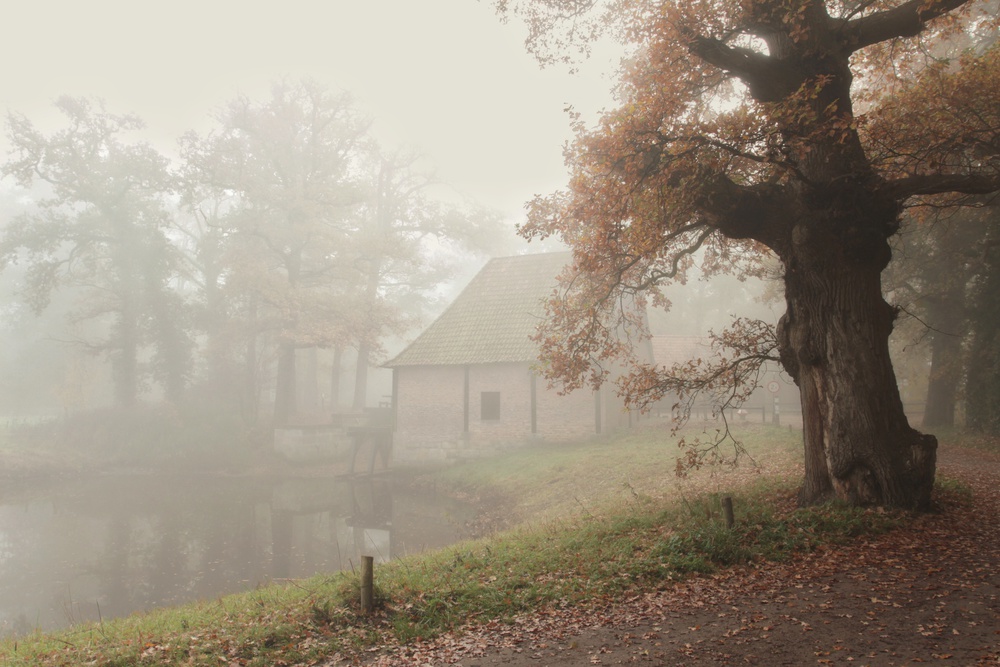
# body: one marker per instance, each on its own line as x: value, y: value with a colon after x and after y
x: 629, y: 526
x: 551, y: 481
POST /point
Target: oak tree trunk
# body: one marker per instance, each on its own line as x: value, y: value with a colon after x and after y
x: 834, y: 340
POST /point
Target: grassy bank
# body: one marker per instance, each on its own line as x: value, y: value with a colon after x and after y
x: 552, y: 481
x: 593, y: 520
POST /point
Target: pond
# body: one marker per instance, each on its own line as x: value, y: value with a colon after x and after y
x: 83, y: 550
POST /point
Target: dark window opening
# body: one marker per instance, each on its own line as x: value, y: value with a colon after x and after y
x: 490, y: 406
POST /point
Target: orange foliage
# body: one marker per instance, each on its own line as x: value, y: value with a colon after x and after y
x: 735, y: 133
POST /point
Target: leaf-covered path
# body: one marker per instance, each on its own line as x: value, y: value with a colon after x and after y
x: 929, y: 593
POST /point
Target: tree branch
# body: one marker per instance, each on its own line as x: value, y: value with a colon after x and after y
x: 935, y: 184
x: 744, y: 211
x: 656, y: 277
x: 769, y: 79
x: 906, y: 20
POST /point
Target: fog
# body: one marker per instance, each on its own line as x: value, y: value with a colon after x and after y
x: 218, y: 222
x: 447, y: 77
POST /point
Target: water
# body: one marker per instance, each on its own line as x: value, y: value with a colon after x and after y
x: 75, y: 551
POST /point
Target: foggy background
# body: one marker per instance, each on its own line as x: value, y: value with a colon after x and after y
x: 445, y: 81
x: 465, y: 128
x: 446, y: 77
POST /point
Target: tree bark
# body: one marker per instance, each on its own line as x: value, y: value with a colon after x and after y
x: 834, y: 341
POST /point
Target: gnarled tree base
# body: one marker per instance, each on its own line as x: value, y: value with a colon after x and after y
x: 834, y: 342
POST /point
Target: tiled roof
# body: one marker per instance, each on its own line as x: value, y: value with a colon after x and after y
x: 494, y: 316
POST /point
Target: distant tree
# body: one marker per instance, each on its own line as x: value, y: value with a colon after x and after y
x: 305, y: 234
x: 982, y: 396
x: 290, y: 165
x: 738, y: 136
x: 936, y: 261
x: 102, y: 233
x: 408, y: 244
x: 229, y: 370
x: 938, y: 257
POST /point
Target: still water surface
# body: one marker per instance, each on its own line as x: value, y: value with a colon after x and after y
x: 74, y: 551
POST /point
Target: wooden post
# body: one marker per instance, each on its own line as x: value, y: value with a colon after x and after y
x: 367, y: 585
x: 727, y: 509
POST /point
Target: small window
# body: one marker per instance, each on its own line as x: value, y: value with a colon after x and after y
x: 490, y: 406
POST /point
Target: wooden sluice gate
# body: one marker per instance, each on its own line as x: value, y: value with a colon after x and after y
x: 375, y: 441
x: 354, y: 443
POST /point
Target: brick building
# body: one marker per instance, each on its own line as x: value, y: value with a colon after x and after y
x: 465, y: 387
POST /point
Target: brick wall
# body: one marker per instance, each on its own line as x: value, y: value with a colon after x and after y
x: 429, y: 413
x: 565, y: 418
x: 430, y: 417
x: 513, y: 383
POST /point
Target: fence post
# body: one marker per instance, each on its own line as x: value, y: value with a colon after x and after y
x: 367, y: 584
x: 727, y: 509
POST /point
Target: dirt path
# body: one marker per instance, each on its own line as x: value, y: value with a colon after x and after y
x: 926, y: 594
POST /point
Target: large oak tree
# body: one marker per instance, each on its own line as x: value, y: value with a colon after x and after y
x: 101, y: 233
x: 798, y: 128
x: 290, y: 166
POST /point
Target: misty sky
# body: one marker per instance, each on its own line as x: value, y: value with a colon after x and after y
x: 442, y: 75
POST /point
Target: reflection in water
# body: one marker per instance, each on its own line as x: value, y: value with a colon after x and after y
x: 84, y: 550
